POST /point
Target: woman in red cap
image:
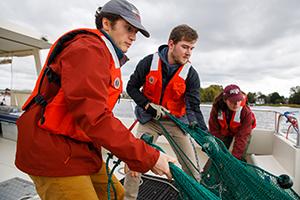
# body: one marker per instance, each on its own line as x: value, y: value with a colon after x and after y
x: 230, y: 118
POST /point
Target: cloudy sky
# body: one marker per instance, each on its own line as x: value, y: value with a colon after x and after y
x: 252, y: 43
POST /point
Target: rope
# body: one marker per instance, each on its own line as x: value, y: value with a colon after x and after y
x: 179, y: 151
x: 192, y: 189
x: 109, y: 177
x: 196, y: 154
x: 110, y: 174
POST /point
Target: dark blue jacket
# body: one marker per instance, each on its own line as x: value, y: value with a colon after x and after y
x: 192, y: 94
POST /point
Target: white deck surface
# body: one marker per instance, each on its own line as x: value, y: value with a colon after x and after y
x: 8, y: 169
x: 270, y: 164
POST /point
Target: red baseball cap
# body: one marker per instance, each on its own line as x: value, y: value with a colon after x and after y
x: 233, y: 93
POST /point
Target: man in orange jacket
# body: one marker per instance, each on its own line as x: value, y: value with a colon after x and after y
x: 68, y: 118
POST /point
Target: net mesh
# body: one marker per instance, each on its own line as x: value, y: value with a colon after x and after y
x: 226, y: 177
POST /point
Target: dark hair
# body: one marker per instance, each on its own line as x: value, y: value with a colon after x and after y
x: 183, y: 32
x: 219, y: 102
x: 100, y: 15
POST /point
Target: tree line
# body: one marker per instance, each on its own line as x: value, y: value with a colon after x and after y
x: 208, y: 94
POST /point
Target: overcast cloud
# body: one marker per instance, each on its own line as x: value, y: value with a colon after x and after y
x: 253, y: 43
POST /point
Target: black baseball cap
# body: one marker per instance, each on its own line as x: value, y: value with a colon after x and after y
x: 127, y: 11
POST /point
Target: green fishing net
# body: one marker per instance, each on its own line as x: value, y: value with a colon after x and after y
x: 227, y: 177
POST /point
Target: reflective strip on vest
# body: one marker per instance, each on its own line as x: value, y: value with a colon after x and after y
x: 112, y: 51
x: 185, y: 70
x: 237, y: 115
x: 173, y: 97
x: 220, y: 115
x: 155, y: 62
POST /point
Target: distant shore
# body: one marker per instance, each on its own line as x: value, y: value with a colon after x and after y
x: 270, y: 105
x: 280, y: 105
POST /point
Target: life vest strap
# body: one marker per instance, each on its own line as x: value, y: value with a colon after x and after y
x: 52, y: 76
x: 39, y: 99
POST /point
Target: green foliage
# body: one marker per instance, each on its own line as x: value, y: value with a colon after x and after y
x: 295, y: 95
x: 208, y: 94
x: 251, y: 97
x: 261, y: 96
x: 280, y: 105
x: 275, y: 98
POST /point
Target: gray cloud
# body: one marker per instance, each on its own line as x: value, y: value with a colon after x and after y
x: 252, y: 43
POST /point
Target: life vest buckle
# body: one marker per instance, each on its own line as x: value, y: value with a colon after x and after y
x: 39, y: 99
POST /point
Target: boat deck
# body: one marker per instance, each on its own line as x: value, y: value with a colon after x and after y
x: 264, y: 145
x: 15, y: 184
x: 8, y: 169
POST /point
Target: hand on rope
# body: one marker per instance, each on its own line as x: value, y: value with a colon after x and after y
x: 161, y: 166
x: 157, y: 111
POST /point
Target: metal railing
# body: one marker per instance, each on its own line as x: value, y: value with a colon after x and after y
x: 292, y: 119
x: 298, y: 132
x: 278, y: 124
x: 267, y: 119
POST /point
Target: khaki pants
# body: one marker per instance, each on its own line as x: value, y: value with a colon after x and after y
x: 131, y: 184
x: 89, y: 187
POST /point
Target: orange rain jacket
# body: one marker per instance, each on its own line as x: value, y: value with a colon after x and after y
x: 89, y: 71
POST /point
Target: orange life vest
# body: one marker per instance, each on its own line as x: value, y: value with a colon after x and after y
x: 235, y: 121
x: 173, y: 98
x: 58, y: 119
